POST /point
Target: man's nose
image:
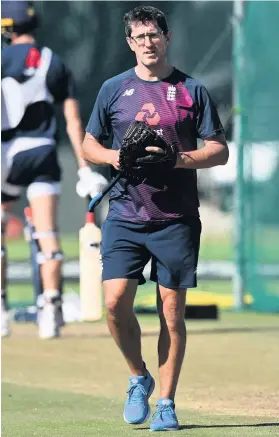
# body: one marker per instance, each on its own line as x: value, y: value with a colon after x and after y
x: 147, y: 41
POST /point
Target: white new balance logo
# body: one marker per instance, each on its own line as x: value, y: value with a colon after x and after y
x: 171, y: 94
x: 128, y: 92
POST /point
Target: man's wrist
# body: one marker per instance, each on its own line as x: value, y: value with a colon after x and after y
x: 109, y: 156
x: 81, y: 162
x: 179, y: 161
x: 184, y: 160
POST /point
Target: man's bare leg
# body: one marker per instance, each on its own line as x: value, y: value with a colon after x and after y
x: 172, y: 338
x: 44, y: 212
x: 44, y: 216
x: 124, y: 327
x: 122, y: 322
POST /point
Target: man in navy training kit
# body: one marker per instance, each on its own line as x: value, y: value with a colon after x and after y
x: 33, y: 80
x: 146, y: 221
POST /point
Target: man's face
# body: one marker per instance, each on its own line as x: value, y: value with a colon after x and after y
x: 148, y: 42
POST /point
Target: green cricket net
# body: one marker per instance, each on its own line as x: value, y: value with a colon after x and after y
x: 259, y: 94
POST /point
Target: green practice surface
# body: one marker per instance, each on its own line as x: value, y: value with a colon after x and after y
x: 75, y: 386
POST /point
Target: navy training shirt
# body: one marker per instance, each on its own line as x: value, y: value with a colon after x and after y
x: 180, y: 109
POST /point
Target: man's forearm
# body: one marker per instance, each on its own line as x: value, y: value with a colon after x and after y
x: 93, y: 151
x: 75, y: 133
x: 74, y: 128
x: 206, y: 157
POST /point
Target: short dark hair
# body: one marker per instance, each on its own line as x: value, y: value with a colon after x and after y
x: 145, y: 14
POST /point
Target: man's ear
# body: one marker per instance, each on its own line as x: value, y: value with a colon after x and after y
x: 14, y: 36
x: 168, y: 36
x: 130, y: 43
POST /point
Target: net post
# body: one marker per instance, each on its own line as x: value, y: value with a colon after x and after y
x: 238, y: 139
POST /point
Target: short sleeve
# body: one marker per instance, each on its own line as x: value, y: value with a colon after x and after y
x: 208, y: 123
x: 99, y: 123
x: 60, y: 80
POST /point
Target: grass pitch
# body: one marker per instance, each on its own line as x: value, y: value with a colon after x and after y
x: 75, y: 386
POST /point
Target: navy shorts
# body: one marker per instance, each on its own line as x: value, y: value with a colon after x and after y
x: 173, y: 248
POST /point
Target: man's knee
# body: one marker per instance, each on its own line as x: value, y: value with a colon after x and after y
x: 172, y: 311
x: 174, y: 318
x: 44, y: 257
x: 119, y: 295
x: 48, y: 247
x: 115, y: 303
x: 112, y: 305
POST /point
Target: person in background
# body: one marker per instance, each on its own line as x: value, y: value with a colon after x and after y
x: 35, y: 79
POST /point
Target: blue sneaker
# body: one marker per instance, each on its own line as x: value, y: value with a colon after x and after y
x: 136, y: 408
x: 164, y: 419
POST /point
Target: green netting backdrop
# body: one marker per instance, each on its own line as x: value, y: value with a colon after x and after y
x: 259, y: 91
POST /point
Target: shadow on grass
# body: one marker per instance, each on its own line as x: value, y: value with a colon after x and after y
x: 254, y: 425
x: 217, y: 330
x: 232, y: 329
x: 155, y: 333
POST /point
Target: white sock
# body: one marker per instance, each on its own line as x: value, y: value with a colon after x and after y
x: 47, y: 296
x: 50, y: 293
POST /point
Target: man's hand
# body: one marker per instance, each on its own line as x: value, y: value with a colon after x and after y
x: 215, y: 152
x: 154, y: 149
x: 113, y: 158
x: 90, y: 183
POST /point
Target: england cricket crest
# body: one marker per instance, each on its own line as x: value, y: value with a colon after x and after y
x: 171, y: 93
